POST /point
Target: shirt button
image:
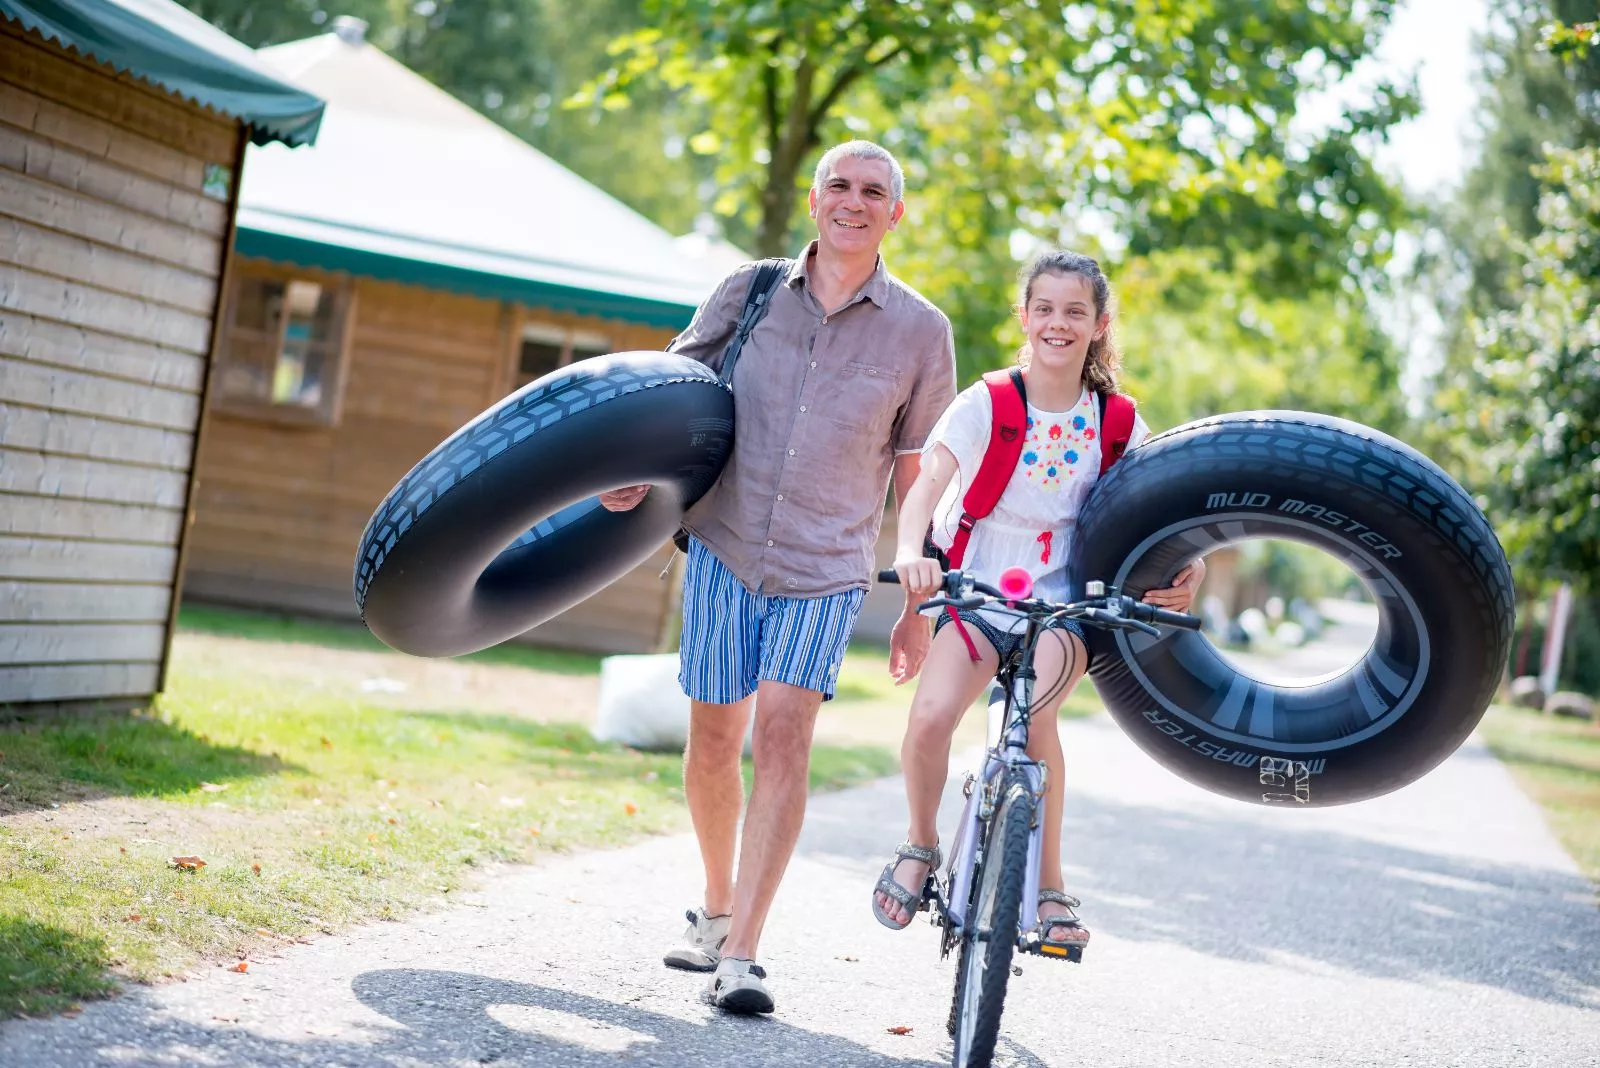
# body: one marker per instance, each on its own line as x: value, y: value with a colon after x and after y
x: 788, y: 582
x: 780, y: 496
x: 791, y: 452
x: 813, y: 363
x: 802, y: 407
x: 769, y: 544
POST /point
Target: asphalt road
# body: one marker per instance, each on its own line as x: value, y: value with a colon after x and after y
x: 1441, y: 925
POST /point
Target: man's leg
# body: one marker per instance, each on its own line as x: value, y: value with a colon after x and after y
x: 714, y: 788
x: 785, y: 716
x: 718, y: 669
x: 803, y: 642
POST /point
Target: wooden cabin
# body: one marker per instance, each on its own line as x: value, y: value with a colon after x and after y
x: 122, y: 132
x: 412, y: 269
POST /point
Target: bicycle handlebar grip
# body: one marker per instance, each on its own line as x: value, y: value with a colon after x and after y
x: 1176, y: 619
x: 889, y: 575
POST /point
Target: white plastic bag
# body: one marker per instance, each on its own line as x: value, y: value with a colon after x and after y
x: 642, y: 705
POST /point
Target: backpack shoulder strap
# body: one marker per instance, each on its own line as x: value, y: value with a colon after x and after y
x: 1009, y: 400
x: 764, y: 282
x: 1116, y: 427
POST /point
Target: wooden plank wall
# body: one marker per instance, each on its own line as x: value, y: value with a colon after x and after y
x: 280, y: 509
x: 109, y: 264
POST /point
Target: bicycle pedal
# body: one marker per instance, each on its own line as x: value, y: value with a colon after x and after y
x: 1074, y: 954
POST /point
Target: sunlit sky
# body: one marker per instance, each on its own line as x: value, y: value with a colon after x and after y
x: 1434, y: 38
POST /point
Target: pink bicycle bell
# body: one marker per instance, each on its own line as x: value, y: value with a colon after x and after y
x: 1015, y: 584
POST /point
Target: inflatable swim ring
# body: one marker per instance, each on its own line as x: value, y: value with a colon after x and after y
x: 1424, y: 551
x: 499, y: 528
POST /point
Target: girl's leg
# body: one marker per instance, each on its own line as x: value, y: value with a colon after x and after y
x: 1059, y: 661
x: 950, y: 683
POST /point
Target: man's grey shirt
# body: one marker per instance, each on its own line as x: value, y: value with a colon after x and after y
x: 822, y: 405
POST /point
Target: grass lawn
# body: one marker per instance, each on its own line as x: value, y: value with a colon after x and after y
x: 312, y: 801
x: 1557, y: 762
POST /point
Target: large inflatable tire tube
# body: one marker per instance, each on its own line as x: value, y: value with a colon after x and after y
x: 499, y: 528
x: 1423, y: 549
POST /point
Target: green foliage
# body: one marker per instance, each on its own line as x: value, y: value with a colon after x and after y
x: 1517, y: 404
x: 1199, y: 340
x: 1172, y: 123
x: 1530, y: 399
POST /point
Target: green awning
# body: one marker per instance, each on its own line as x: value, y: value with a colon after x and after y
x: 177, y: 50
x: 473, y: 272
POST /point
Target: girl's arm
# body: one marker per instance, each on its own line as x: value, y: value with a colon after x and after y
x: 919, y: 575
x: 1179, y: 596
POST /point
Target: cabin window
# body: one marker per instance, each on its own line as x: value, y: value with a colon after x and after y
x: 283, y: 348
x: 546, y: 348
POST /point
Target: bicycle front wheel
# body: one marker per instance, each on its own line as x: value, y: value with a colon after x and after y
x: 990, y: 935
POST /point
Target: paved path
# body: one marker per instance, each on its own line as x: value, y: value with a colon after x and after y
x: 1439, y: 926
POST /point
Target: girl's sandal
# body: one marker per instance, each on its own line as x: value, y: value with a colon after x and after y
x: 913, y: 903
x: 1059, y: 947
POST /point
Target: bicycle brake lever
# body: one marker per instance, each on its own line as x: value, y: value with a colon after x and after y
x: 1138, y: 625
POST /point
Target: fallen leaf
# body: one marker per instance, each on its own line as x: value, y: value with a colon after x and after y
x: 899, y: 1030
x: 536, y: 832
x: 630, y: 808
x: 372, y: 837
x: 242, y: 966
x: 132, y: 917
x: 122, y: 849
x: 325, y: 743
x: 256, y: 868
x: 75, y: 1010
x: 189, y: 863
x: 393, y: 820
x: 264, y: 931
x: 213, y: 788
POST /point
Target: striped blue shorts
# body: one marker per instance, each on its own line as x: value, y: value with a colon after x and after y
x: 733, y: 639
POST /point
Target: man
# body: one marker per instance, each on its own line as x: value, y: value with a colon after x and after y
x: 834, y: 390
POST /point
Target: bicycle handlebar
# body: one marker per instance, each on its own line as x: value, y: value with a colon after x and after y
x: 1106, y: 611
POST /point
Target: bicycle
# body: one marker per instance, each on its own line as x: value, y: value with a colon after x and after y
x: 993, y: 869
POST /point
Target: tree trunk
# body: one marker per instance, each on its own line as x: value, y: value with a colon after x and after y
x: 790, y: 135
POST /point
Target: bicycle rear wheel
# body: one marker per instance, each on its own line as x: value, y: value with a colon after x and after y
x: 990, y: 935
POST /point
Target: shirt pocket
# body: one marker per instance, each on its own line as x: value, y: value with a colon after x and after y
x: 866, y: 398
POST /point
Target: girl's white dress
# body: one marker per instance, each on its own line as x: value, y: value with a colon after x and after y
x: 1036, y: 518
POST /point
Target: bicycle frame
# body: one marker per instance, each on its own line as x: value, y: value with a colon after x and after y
x: 1006, y: 743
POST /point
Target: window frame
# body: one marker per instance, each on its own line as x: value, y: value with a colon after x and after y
x: 569, y: 337
x: 329, y: 412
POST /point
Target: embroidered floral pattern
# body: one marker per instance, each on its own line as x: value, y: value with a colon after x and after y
x: 1054, y: 449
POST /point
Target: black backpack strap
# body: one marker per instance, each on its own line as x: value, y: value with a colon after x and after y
x: 1100, y: 402
x: 768, y: 275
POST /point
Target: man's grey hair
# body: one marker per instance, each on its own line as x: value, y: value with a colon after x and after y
x: 861, y: 150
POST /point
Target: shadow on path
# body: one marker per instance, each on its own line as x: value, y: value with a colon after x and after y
x: 1260, y: 890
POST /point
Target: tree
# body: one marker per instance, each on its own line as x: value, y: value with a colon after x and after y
x: 1516, y: 407
x: 1174, y: 120
x: 1531, y: 404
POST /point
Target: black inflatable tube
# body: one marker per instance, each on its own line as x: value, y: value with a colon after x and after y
x: 1423, y: 549
x: 498, y: 529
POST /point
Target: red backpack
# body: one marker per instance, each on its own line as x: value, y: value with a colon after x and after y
x: 1007, y: 434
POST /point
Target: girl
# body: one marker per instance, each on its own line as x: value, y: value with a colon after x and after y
x: 1069, y: 356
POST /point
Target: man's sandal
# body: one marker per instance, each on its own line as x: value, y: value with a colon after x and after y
x: 912, y: 902
x: 1079, y: 934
